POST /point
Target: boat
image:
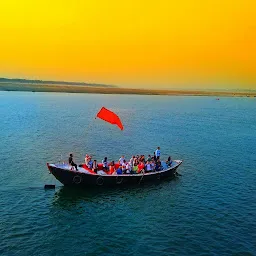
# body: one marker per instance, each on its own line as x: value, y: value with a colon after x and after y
x: 67, y: 175
x: 85, y: 177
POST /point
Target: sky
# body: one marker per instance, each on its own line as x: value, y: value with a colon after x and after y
x: 140, y: 44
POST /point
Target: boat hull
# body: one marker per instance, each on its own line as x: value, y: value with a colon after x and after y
x: 78, y: 178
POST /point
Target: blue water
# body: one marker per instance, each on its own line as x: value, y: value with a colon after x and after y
x: 209, y: 210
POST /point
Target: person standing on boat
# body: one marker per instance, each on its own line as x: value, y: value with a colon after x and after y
x: 157, y: 152
x: 154, y: 157
x: 71, y: 162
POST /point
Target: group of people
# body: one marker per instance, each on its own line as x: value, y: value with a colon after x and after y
x: 136, y: 164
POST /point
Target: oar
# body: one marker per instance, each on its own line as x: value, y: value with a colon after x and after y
x: 142, y: 176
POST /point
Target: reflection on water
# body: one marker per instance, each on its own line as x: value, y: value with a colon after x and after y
x: 68, y: 196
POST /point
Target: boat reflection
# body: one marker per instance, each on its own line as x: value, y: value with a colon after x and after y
x: 67, y: 196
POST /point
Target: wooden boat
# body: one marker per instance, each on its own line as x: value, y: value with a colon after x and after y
x: 85, y: 177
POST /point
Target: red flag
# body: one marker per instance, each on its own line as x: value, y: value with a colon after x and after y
x: 110, y: 117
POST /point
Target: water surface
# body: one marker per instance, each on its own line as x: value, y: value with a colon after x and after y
x: 209, y: 210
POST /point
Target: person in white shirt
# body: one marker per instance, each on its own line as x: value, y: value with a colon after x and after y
x: 86, y: 159
x: 128, y: 167
x: 152, y: 165
x: 148, y: 167
x: 105, y: 164
x: 132, y: 160
x: 121, y: 160
x: 124, y: 166
x: 157, y: 152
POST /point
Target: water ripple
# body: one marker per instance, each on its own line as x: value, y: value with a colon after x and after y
x: 209, y: 210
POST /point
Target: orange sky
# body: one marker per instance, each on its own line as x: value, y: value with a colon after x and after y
x: 153, y: 44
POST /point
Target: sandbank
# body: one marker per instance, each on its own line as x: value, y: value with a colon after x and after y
x: 118, y: 90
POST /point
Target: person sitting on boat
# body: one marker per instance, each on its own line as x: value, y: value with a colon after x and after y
x: 157, y: 152
x: 158, y: 166
x: 132, y: 160
x: 128, y: 167
x: 86, y: 159
x: 95, y: 166
x: 112, y: 168
x: 142, y: 159
x: 148, y: 167
x: 153, y: 165
x: 121, y: 160
x: 105, y: 164
x: 141, y: 167
x: 90, y: 163
x: 149, y: 158
x: 136, y: 162
x: 71, y: 162
x: 135, y: 168
x: 119, y: 170
x: 123, y: 166
x: 169, y: 161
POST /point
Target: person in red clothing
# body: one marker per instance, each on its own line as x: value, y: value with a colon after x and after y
x: 112, y: 168
x: 141, y: 167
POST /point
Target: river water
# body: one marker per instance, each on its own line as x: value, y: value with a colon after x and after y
x: 209, y: 210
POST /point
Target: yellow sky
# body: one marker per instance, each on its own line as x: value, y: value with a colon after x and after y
x: 160, y: 44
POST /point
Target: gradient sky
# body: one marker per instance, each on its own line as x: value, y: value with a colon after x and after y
x: 153, y: 44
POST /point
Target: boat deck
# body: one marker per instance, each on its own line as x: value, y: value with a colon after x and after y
x: 65, y: 166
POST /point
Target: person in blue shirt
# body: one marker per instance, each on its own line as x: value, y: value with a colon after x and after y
x: 157, y: 152
x: 119, y: 170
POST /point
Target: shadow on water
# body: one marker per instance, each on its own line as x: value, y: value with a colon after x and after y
x: 68, y: 196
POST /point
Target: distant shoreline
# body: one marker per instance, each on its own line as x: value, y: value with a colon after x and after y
x: 45, y: 82
x: 115, y: 90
